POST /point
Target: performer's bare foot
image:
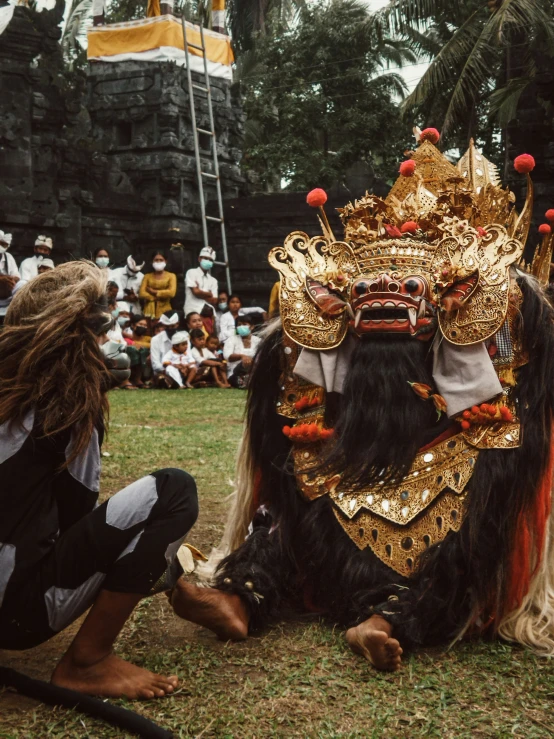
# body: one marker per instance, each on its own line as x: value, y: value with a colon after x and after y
x: 223, y: 613
x: 112, y: 677
x: 372, y: 639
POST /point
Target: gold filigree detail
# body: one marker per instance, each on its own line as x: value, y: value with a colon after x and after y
x: 399, y: 546
x: 505, y: 435
x: 299, y: 259
x: 490, y: 257
x: 433, y: 169
x: 449, y: 464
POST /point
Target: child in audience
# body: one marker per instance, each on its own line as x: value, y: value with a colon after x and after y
x: 206, y: 361
x: 179, y: 363
x: 214, y: 346
x: 194, y: 320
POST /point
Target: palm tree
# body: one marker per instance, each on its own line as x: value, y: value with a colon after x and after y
x: 480, y: 50
x: 248, y: 19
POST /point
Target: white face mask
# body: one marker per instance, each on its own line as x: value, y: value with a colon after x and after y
x: 3, y: 249
x: 158, y: 266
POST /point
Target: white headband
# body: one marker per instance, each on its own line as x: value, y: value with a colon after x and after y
x: 179, y: 337
x: 44, y: 241
x: 168, y: 321
x: 47, y: 263
x: 5, y: 238
x: 208, y: 252
x: 133, y: 266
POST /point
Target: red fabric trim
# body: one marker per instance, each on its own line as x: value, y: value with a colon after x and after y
x: 530, y: 534
x: 451, y: 431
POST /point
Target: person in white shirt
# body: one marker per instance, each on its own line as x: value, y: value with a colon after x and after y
x: 161, y: 344
x: 9, y: 275
x: 129, y: 279
x: 213, y: 369
x: 221, y: 308
x: 178, y: 362
x: 200, y: 286
x: 227, y: 322
x: 29, y: 267
x: 239, y: 351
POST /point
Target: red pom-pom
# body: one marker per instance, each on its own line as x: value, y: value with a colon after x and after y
x: 407, y: 168
x: 481, y: 231
x: 286, y: 430
x: 316, y: 198
x: 467, y: 415
x: 430, y: 134
x: 475, y: 409
x: 544, y: 229
x: 409, y: 227
x: 524, y: 163
x: 392, y: 231
x: 549, y: 215
x: 465, y: 425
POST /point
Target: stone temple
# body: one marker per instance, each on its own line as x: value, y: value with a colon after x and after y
x: 105, y: 158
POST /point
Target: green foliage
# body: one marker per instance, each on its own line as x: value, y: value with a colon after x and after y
x: 485, y: 55
x: 249, y: 19
x: 318, y: 99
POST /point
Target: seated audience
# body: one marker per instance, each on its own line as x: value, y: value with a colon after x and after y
x: 138, y: 349
x: 228, y: 320
x: 10, y: 281
x: 158, y: 287
x: 207, y: 314
x: 161, y: 344
x: 215, y: 347
x: 29, y: 267
x: 45, y: 266
x: 212, y: 369
x: 111, y: 294
x: 101, y: 258
x: 221, y: 308
x: 129, y: 279
x: 239, y: 351
x: 178, y: 362
x: 194, y: 320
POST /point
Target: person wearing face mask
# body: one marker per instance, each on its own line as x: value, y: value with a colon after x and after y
x: 200, y: 286
x: 122, y: 320
x: 161, y: 344
x: 239, y: 351
x: 101, y: 258
x: 158, y: 287
x: 129, y: 280
x: 10, y: 281
x: 227, y: 324
x: 29, y: 267
x: 221, y: 308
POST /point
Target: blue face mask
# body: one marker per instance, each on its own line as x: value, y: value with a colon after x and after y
x: 115, y: 312
x: 222, y: 306
x: 102, y: 262
x: 206, y: 264
x: 243, y: 331
x: 122, y: 320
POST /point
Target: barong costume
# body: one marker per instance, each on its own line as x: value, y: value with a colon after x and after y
x: 397, y: 457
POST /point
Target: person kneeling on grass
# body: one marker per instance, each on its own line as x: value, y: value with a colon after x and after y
x: 60, y: 553
x: 179, y: 363
x: 215, y: 369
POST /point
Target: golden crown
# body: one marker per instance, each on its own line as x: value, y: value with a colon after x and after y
x: 440, y: 222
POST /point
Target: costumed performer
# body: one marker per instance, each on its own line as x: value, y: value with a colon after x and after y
x: 61, y: 552
x: 397, y: 461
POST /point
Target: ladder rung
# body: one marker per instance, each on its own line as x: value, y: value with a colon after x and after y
x: 208, y: 174
x: 200, y: 87
x: 213, y: 218
x: 194, y: 46
x: 203, y: 130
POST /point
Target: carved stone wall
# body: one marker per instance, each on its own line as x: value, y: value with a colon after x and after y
x: 104, y: 159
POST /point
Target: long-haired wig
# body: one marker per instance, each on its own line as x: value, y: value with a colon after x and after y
x: 50, y: 359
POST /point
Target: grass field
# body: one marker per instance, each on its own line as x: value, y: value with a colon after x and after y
x: 298, y: 680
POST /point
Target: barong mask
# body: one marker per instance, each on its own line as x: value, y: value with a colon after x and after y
x: 436, y: 253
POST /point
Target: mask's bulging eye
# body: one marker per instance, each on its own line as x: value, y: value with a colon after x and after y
x: 413, y: 286
x: 361, y: 288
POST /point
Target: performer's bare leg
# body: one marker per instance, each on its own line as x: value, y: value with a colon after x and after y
x: 372, y: 639
x: 89, y: 664
x: 223, y: 613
